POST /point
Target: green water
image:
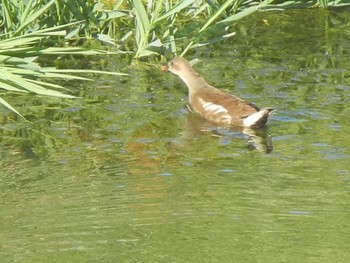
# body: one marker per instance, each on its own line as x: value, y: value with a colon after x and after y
x: 125, y: 174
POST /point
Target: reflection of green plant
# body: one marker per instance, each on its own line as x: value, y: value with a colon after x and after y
x: 143, y: 27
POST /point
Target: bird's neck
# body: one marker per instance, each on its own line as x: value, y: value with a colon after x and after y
x: 194, y: 81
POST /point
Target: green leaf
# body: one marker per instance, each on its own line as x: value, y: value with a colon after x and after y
x: 10, y: 87
x: 34, y: 16
x: 18, y: 41
x: 245, y: 12
x: 212, y: 41
x: 142, y: 25
x: 141, y: 14
x: 83, y: 71
x: 217, y: 14
x: 7, y: 105
x: 176, y: 9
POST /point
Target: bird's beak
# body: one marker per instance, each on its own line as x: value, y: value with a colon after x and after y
x: 164, y: 68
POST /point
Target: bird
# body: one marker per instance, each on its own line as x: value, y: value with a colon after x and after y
x: 215, y: 105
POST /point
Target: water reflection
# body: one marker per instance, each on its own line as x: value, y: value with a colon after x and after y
x: 257, y: 139
x: 130, y: 177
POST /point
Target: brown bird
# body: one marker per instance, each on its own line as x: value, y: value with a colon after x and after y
x: 213, y: 104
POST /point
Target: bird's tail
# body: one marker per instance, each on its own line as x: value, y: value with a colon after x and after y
x: 257, y: 119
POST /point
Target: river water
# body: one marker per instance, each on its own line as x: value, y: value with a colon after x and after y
x: 127, y: 174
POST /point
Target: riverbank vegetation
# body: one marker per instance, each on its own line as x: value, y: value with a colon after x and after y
x: 35, y: 28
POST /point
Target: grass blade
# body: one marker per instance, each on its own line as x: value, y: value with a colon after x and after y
x: 245, y: 12
x: 217, y: 14
x: 142, y: 25
x: 175, y: 9
x: 83, y: 71
x: 7, y: 105
x: 214, y: 40
x: 34, y: 16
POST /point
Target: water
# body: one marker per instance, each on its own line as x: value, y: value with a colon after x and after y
x: 127, y: 175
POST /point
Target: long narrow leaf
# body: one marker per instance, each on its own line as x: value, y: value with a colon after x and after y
x: 142, y: 26
x: 64, y: 76
x: 212, y: 41
x: 34, y: 16
x: 71, y: 50
x: 245, y: 12
x: 7, y: 15
x: 7, y: 105
x: 156, y: 11
x: 10, y: 87
x: 217, y: 14
x: 84, y: 71
x: 18, y: 41
x: 32, y: 87
x: 176, y: 9
x: 141, y: 14
x: 27, y: 10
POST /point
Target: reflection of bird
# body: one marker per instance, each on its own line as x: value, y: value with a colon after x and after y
x: 258, y: 139
x: 215, y: 105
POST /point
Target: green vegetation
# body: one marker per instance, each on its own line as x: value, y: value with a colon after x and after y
x: 141, y: 28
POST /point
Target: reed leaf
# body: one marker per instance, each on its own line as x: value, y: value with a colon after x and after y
x: 69, y: 50
x: 141, y: 26
x: 142, y: 17
x: 21, y: 74
x: 27, y: 85
x: 29, y: 16
x: 7, y: 16
x: 53, y: 70
x: 7, y: 105
x: 217, y: 14
x: 247, y: 11
x: 175, y: 10
x: 10, y: 87
x: 14, y: 42
x: 212, y: 41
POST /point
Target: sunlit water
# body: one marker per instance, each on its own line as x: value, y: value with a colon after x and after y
x: 126, y: 174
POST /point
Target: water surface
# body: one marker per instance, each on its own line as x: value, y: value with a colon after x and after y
x: 126, y: 174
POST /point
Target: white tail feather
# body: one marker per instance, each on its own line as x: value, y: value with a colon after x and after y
x: 257, y: 119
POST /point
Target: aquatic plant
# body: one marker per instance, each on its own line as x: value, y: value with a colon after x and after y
x: 20, y: 73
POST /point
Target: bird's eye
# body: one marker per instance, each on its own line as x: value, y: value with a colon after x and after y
x: 171, y: 64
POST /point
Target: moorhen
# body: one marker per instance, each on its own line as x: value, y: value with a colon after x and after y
x: 213, y: 104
